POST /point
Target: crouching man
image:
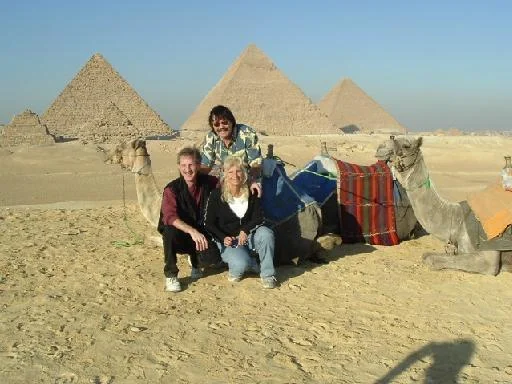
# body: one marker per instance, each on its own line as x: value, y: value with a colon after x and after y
x: 183, y: 204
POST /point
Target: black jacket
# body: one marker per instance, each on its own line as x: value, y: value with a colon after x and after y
x: 187, y: 209
x: 220, y: 221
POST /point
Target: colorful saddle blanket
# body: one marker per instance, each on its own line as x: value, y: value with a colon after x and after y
x: 366, y: 203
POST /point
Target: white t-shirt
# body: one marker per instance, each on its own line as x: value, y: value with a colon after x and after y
x: 239, y: 206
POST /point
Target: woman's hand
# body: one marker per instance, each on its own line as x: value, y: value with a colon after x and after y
x: 229, y: 241
x: 242, y: 238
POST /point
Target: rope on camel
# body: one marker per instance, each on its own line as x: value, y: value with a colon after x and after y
x: 138, y: 239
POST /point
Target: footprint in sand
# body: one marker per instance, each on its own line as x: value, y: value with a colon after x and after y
x: 218, y: 325
x: 286, y: 360
x: 302, y: 342
x: 102, y: 380
x: 66, y: 378
x: 295, y: 287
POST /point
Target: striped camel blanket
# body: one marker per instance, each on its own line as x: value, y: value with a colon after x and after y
x: 366, y: 203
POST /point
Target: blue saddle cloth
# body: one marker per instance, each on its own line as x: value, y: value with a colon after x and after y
x: 284, y: 196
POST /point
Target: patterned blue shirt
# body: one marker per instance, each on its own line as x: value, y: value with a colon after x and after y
x: 245, y: 144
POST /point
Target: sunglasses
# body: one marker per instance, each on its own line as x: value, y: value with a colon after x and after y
x: 218, y: 123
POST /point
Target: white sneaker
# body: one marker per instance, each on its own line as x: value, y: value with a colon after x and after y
x: 196, y: 273
x: 172, y: 284
x: 269, y: 282
x: 234, y: 279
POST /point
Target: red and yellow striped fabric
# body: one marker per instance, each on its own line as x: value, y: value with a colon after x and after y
x: 366, y: 203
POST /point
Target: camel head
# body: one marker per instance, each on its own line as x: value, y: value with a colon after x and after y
x: 385, y: 150
x: 406, y: 151
x: 132, y: 156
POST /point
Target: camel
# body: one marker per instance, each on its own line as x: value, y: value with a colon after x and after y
x: 133, y: 156
x: 296, y: 236
x: 455, y: 223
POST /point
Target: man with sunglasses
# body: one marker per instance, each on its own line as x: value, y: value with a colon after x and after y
x: 228, y: 138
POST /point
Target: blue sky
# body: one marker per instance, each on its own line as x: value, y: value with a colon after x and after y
x: 432, y: 64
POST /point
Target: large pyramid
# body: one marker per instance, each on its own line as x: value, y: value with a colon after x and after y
x: 90, y: 94
x: 352, y: 110
x: 260, y: 95
x: 111, y: 126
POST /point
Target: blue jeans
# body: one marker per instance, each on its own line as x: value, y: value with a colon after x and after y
x: 239, y: 259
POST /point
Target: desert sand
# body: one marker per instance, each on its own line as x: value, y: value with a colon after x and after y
x: 83, y: 300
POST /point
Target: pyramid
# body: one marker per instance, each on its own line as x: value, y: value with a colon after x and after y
x: 352, y: 110
x: 89, y: 94
x: 25, y: 129
x: 259, y: 95
x: 112, y: 126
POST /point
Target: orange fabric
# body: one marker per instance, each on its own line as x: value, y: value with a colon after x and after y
x: 493, y: 207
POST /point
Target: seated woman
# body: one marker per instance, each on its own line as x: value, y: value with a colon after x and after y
x: 235, y: 218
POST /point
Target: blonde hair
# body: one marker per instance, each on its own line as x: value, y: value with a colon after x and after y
x: 230, y: 162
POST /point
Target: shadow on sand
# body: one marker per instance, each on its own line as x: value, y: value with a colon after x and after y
x: 448, y: 360
x: 286, y: 272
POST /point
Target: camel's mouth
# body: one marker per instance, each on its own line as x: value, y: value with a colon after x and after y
x: 403, y: 162
x: 406, y: 152
x: 398, y: 164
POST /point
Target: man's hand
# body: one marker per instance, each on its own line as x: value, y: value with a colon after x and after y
x: 242, y: 238
x: 200, y: 240
x: 256, y: 188
x: 255, y: 176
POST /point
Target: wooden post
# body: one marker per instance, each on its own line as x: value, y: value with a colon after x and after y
x: 270, y: 151
x: 323, y: 149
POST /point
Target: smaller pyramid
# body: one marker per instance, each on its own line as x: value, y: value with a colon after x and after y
x: 112, y: 126
x: 25, y: 129
x: 352, y: 110
x: 261, y: 96
x: 96, y: 86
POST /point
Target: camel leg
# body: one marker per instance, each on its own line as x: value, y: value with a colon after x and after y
x: 484, y: 262
x: 328, y: 241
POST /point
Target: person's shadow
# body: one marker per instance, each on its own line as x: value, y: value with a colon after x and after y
x: 449, y: 359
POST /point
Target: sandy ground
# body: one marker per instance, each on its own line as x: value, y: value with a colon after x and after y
x: 82, y: 299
